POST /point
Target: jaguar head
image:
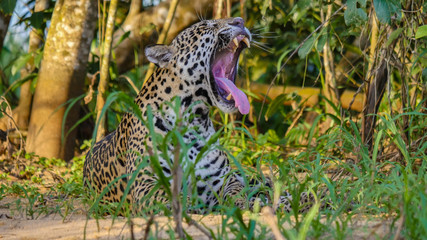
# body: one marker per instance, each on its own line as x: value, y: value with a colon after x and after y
x: 208, y: 52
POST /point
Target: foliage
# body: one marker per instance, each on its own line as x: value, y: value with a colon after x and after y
x: 386, y: 182
x: 7, y: 6
x: 398, y: 190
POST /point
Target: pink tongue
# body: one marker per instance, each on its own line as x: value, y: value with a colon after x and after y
x: 240, y: 99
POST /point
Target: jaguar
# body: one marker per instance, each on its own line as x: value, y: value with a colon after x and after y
x: 200, y: 67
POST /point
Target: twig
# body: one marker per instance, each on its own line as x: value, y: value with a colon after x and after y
x: 147, y: 228
x: 131, y: 226
x: 89, y: 95
x: 295, y: 51
x: 218, y: 11
x: 354, y: 96
x: 399, y: 227
x: 271, y: 221
x: 294, y: 122
x: 130, y: 83
x: 176, y: 189
x: 190, y: 221
x: 8, y: 113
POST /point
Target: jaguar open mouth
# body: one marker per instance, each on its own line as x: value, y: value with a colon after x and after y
x: 224, y: 71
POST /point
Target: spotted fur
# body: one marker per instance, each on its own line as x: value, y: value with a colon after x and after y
x: 184, y: 70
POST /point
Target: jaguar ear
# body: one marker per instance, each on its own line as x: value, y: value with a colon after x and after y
x: 159, y: 54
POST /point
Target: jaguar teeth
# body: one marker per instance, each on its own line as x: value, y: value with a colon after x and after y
x: 247, y: 42
x: 228, y: 97
x: 236, y: 42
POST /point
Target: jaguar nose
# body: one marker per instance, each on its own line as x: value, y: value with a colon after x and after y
x: 238, y: 22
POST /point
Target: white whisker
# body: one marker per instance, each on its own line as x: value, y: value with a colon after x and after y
x: 266, y: 37
x: 260, y: 33
x: 200, y: 15
x: 267, y: 49
x: 259, y: 29
x: 261, y: 44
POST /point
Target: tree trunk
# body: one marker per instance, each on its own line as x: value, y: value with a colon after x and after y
x: 330, y: 87
x: 4, y: 25
x: 61, y: 78
x: 373, y: 86
x: 5, y: 16
x: 22, y: 111
x: 374, y: 95
x: 134, y: 9
x: 105, y: 63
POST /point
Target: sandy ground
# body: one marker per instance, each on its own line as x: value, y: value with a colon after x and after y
x: 14, y: 225
x: 77, y: 226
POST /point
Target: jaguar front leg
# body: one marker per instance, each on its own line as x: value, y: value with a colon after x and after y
x: 146, y: 195
x: 235, y: 186
x: 305, y: 203
x: 233, y: 189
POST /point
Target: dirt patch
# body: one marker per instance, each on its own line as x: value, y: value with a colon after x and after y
x: 77, y: 226
x: 14, y: 224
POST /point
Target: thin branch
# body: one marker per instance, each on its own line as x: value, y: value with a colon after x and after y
x: 147, y: 228
x: 218, y: 12
x: 103, y: 81
x: 190, y: 221
x: 271, y: 221
x: 176, y: 190
x: 130, y: 83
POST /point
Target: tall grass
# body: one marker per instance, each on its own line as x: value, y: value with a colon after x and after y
x: 388, y: 184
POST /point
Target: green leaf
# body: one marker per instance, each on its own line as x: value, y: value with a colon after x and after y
x: 302, y: 4
x: 37, y: 20
x: 420, y: 56
x: 395, y: 34
x: 273, y: 106
x: 38, y: 56
x: 272, y: 136
x: 385, y: 9
x: 21, y: 81
x: 376, y: 145
x: 7, y: 6
x: 264, y: 7
x: 306, y: 47
x: 279, y: 62
x: 421, y: 32
x: 123, y: 37
x: 424, y: 75
x: 321, y: 42
x: 354, y: 15
x: 20, y: 63
x: 307, y: 221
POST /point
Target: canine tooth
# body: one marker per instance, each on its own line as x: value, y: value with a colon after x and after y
x: 246, y: 41
x: 228, y: 97
x: 236, y: 42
